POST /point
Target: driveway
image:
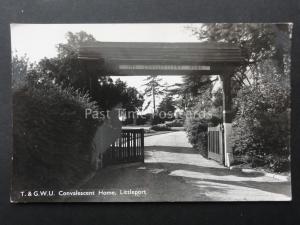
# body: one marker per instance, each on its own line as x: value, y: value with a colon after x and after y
x: 174, y: 171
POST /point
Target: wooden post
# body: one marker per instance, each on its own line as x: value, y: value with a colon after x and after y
x: 227, y: 118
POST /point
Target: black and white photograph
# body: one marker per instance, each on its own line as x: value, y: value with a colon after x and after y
x: 151, y: 112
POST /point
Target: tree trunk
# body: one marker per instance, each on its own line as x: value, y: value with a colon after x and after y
x: 153, y: 95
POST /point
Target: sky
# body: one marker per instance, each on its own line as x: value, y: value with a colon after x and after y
x: 40, y: 40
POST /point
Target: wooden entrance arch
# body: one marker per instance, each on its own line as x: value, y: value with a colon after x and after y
x: 150, y: 58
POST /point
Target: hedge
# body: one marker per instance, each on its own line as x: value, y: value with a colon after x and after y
x: 52, y: 138
x: 261, y: 130
x: 160, y: 127
x: 175, y: 123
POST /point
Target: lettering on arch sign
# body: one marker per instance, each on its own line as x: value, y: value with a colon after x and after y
x: 163, y: 67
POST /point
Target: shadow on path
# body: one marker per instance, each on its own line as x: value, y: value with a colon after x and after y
x: 182, y: 174
x: 217, y: 182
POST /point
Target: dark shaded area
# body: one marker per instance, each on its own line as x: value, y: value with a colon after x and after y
x: 53, y: 141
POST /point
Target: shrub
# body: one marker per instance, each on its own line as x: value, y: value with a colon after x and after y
x: 52, y: 137
x: 261, y: 130
x: 141, y: 120
x: 196, y: 130
x: 155, y: 120
x: 205, y: 112
x: 175, y: 123
x: 160, y: 127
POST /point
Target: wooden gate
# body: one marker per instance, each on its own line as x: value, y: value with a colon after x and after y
x: 215, y: 144
x: 129, y: 147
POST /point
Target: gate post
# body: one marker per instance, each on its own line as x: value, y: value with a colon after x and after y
x: 227, y: 118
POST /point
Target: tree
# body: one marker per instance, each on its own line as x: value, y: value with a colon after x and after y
x: 131, y: 99
x: 190, y: 89
x: 261, y: 129
x: 67, y: 70
x: 167, y: 105
x: 153, y: 88
x: 258, y: 42
x: 261, y: 90
x: 20, y: 65
x: 74, y: 40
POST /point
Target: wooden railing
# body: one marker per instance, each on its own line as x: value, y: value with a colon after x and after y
x: 129, y: 147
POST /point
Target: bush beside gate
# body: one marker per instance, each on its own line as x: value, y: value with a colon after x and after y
x: 52, y: 137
